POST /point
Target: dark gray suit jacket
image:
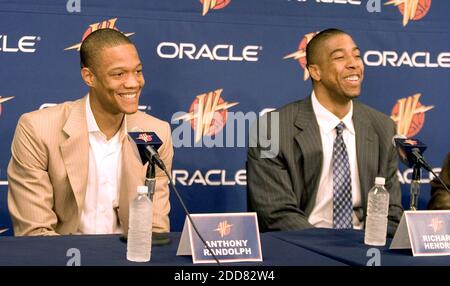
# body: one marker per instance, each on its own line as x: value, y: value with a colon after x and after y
x: 282, y: 190
x: 440, y: 198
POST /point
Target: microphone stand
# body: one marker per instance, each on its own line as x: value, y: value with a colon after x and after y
x: 153, y: 158
x: 415, y: 187
x: 423, y: 163
x: 419, y: 163
x: 150, y: 180
x: 158, y: 238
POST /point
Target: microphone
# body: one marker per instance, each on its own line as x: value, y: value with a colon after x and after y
x: 410, y: 151
x: 146, y: 142
x: 142, y: 140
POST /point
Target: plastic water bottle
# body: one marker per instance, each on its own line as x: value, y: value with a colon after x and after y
x: 139, y: 242
x: 377, y: 214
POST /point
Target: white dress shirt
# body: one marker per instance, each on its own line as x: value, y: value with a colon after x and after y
x: 99, y: 215
x: 322, y: 213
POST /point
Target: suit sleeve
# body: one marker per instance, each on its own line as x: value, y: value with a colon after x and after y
x: 440, y: 198
x: 30, y: 195
x: 269, y: 189
x: 393, y: 186
x: 161, y: 204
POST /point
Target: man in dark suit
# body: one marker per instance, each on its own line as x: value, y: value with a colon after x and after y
x: 330, y: 149
x: 440, y: 198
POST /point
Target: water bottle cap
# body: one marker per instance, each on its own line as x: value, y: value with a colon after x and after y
x: 380, y: 181
x: 142, y: 190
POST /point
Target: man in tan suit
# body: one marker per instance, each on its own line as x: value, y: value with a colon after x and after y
x: 73, y: 168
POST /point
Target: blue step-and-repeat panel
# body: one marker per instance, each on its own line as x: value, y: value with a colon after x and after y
x: 237, y: 59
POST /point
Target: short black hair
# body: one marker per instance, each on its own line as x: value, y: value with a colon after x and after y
x: 97, y: 40
x: 313, y: 47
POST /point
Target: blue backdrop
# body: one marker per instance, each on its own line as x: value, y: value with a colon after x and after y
x: 249, y: 53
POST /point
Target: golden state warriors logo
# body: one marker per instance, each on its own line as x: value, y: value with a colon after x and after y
x: 300, y: 54
x: 213, y: 4
x: 223, y: 228
x: 409, y: 115
x: 207, y: 114
x: 108, y: 24
x: 436, y: 224
x: 411, y: 9
x: 411, y: 142
x: 145, y: 137
x: 2, y: 100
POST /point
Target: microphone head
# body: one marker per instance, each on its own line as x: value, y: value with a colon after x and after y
x: 143, y: 139
x: 397, y: 136
x: 406, y: 146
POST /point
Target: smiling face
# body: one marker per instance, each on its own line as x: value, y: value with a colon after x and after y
x: 339, y: 70
x: 115, y: 80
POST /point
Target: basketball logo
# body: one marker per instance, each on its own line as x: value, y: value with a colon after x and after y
x: 214, y: 120
x: 300, y: 54
x: 4, y: 99
x: 420, y: 10
x: 409, y: 115
x: 107, y: 24
x: 411, y: 9
x: 223, y: 228
x: 207, y: 114
x: 213, y: 4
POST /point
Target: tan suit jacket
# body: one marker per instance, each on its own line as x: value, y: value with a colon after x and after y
x: 48, y: 170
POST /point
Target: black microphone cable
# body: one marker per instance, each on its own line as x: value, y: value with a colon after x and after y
x: 421, y: 160
x: 154, y: 157
x: 440, y: 180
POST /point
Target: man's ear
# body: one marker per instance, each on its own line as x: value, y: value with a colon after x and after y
x: 314, y: 71
x: 88, y: 76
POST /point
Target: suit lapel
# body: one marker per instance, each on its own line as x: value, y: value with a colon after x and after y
x: 366, y: 151
x: 75, y: 151
x: 310, y: 143
x: 133, y: 175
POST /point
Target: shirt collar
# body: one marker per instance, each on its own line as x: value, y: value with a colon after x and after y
x: 92, y: 124
x: 327, y: 120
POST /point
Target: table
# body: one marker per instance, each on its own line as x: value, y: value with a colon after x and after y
x: 310, y: 247
x: 347, y: 246
x: 110, y: 250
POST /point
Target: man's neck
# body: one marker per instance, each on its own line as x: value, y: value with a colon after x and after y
x: 108, y: 123
x: 332, y: 103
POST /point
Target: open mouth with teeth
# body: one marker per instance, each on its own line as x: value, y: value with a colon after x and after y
x: 128, y: 96
x: 352, y: 79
